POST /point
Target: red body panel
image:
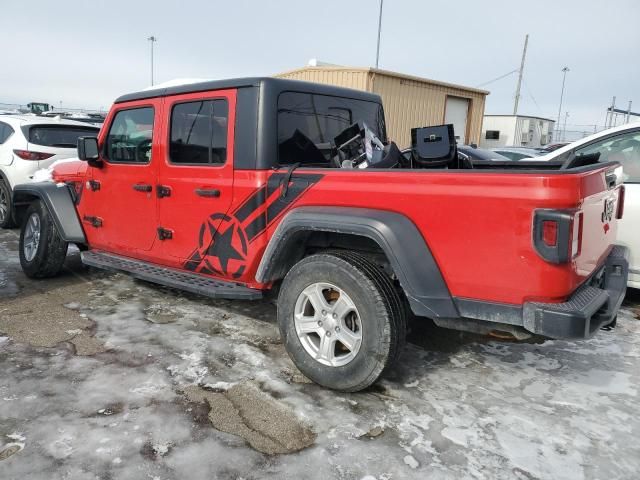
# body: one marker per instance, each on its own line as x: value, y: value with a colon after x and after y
x: 70, y: 171
x: 477, y: 224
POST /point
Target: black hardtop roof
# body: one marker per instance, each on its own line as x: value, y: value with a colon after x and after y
x: 272, y: 84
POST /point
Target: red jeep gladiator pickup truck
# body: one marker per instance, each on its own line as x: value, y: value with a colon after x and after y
x: 234, y: 188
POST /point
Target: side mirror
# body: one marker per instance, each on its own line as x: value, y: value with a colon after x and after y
x: 88, y: 151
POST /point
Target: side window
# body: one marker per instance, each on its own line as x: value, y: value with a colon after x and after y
x: 5, y: 132
x: 130, y: 136
x: 624, y: 149
x: 308, y: 123
x: 199, y: 133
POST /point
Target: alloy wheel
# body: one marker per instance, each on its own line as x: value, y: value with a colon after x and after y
x: 4, y: 205
x: 328, y: 324
x: 31, y: 237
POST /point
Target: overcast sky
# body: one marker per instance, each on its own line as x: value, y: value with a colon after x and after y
x: 86, y: 53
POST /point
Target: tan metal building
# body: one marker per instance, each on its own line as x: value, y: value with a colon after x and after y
x: 408, y: 101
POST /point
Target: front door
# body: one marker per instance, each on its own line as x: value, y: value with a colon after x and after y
x: 196, y: 182
x: 119, y: 201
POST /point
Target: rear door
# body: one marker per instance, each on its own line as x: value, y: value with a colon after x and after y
x: 120, y: 200
x: 196, y: 182
x: 6, y: 151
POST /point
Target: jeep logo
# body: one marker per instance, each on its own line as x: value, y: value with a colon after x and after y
x: 607, y: 213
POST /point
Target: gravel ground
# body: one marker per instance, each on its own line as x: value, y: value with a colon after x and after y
x: 104, y: 377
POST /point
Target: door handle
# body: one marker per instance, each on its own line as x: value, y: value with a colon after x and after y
x: 142, y: 187
x: 207, y: 192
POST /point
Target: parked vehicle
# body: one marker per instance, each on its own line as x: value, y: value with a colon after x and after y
x: 517, y: 153
x: 470, y: 153
x: 620, y: 144
x: 554, y: 146
x: 475, y: 153
x: 236, y: 188
x: 29, y: 143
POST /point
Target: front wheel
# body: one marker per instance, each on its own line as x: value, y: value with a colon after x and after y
x: 42, y: 250
x: 5, y: 205
x: 340, y: 320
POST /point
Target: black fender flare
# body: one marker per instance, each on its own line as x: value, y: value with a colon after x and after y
x: 59, y: 202
x: 397, y: 236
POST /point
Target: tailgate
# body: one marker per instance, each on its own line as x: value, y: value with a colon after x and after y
x: 595, y: 228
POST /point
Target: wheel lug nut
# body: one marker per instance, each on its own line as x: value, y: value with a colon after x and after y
x: 319, y: 323
x: 324, y: 312
x: 335, y: 315
x: 337, y: 329
x: 329, y: 333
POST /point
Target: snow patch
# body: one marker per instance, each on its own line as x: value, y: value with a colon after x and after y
x: 411, y: 461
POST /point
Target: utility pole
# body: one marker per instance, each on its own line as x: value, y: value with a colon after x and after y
x: 524, y: 54
x: 610, y: 113
x: 152, y: 39
x: 379, y: 31
x: 564, y: 77
x: 564, y: 129
x: 628, y: 113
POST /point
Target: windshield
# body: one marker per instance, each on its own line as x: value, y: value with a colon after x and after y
x: 62, y: 136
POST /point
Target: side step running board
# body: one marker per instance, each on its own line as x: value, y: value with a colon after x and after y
x: 170, y: 277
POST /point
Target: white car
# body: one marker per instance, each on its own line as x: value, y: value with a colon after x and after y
x: 620, y: 144
x: 29, y: 143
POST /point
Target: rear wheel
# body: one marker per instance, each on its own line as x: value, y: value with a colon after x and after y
x: 6, y: 220
x: 341, y: 320
x: 42, y: 250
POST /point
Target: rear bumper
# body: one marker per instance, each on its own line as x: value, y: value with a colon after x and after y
x: 593, y: 305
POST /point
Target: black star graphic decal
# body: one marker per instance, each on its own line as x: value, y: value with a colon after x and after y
x: 223, y: 249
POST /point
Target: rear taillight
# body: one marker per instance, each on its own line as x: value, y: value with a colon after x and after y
x: 557, y: 234
x: 550, y: 233
x: 620, y: 211
x: 30, y: 155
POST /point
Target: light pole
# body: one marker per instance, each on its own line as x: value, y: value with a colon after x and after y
x: 564, y: 77
x: 564, y: 129
x: 152, y: 39
x: 379, y: 30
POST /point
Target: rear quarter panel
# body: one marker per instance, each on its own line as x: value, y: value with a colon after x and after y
x: 478, y: 225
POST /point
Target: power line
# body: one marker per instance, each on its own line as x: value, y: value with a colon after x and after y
x: 498, y: 78
x: 526, y: 87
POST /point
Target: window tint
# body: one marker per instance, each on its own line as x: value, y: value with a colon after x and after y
x: 199, y: 132
x: 62, y: 136
x: 5, y: 132
x: 624, y: 149
x: 130, y: 136
x: 307, y: 124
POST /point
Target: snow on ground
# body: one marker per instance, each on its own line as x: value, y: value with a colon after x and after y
x: 456, y: 406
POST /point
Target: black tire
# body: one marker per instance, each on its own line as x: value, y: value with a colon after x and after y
x: 611, y: 325
x: 51, y: 250
x: 6, y: 219
x: 386, y: 286
x: 379, y: 308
